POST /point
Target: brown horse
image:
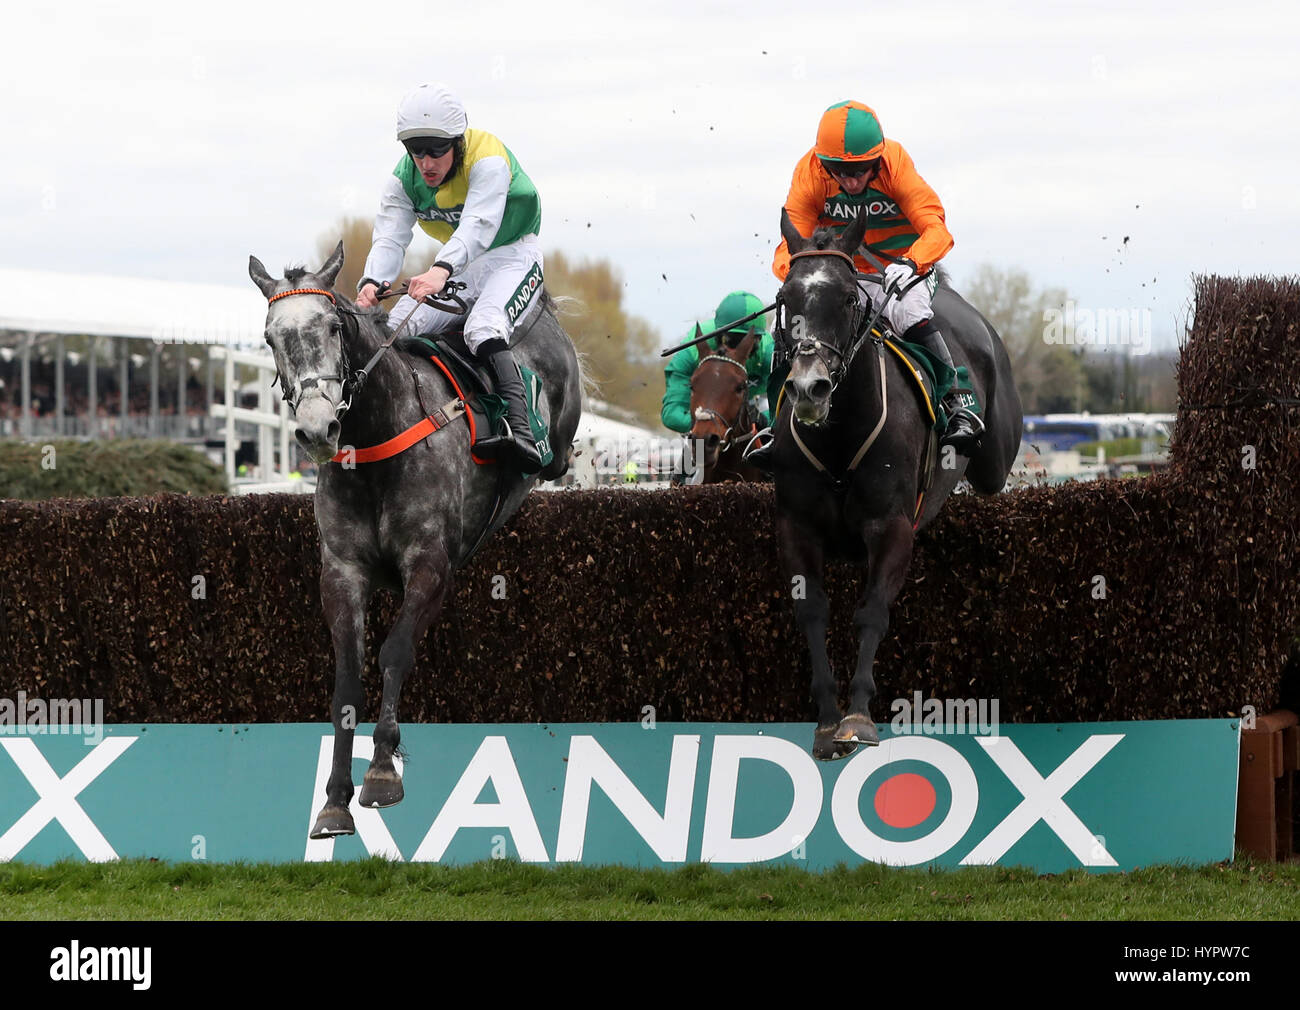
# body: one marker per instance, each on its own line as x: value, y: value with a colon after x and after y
x: 722, y: 421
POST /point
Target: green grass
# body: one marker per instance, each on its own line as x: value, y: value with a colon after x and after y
x: 376, y: 889
x: 1122, y: 446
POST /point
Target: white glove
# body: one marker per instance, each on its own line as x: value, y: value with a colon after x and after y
x: 897, y: 275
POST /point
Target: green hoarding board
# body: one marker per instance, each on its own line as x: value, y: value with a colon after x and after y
x: 1105, y: 796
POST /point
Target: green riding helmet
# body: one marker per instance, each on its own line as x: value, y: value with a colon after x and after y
x: 738, y: 305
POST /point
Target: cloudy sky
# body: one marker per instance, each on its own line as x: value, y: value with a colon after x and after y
x: 170, y: 142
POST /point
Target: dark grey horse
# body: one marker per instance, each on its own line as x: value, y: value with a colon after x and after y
x: 402, y: 523
x: 856, y: 504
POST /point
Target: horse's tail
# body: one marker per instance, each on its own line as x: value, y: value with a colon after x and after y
x: 567, y: 305
x: 561, y: 305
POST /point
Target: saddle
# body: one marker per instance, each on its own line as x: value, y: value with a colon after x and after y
x: 485, y: 410
x: 934, y: 379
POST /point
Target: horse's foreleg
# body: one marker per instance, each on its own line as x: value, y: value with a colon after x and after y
x: 889, y: 553
x: 803, y: 560
x: 424, y: 585
x: 344, y: 592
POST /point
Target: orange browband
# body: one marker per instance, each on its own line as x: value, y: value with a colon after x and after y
x: 303, y: 291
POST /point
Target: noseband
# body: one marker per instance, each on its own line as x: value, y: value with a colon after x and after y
x: 347, y: 380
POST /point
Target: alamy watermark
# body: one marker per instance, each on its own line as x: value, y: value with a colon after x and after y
x: 77, y: 963
x: 1074, y: 326
x: 919, y: 715
x: 24, y: 716
x: 659, y: 457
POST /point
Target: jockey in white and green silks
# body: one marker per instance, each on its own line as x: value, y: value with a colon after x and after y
x: 464, y: 188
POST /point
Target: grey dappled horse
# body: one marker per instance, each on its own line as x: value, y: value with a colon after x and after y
x: 402, y: 523
x: 864, y: 510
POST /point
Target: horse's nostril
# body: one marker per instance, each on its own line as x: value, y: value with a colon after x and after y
x: 332, y: 432
x: 820, y: 389
x: 712, y: 441
x: 302, y: 439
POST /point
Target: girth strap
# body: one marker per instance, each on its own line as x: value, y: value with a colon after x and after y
x: 400, y: 443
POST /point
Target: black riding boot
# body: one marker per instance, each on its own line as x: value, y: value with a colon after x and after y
x: 510, y: 386
x: 964, y: 426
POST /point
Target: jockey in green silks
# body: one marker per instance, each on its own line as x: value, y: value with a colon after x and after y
x: 676, y: 413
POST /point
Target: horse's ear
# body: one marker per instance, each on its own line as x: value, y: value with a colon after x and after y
x: 260, y: 277
x: 746, y: 346
x: 793, y: 240
x: 851, y: 237
x: 333, y: 265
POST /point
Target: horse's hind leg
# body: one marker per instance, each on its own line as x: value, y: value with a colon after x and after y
x: 344, y: 592
x: 802, y: 558
x: 425, y: 580
x: 889, y: 553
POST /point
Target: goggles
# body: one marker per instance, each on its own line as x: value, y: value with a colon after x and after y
x: 851, y: 169
x: 429, y: 147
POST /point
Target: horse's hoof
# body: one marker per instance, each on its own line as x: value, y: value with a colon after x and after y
x: 381, y: 789
x: 333, y: 821
x: 827, y: 748
x: 857, y: 729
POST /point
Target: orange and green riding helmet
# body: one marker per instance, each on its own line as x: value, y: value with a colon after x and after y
x: 849, y: 132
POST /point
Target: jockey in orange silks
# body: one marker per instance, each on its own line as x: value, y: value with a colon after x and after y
x: 853, y: 170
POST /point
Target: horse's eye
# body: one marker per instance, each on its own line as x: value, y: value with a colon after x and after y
x: 850, y: 301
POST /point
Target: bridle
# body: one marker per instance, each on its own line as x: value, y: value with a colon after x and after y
x: 805, y: 346
x: 707, y: 413
x: 346, y: 378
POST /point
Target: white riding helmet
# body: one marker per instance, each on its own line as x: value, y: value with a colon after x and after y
x: 431, y: 110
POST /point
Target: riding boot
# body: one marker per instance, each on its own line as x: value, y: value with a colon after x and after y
x: 510, y: 386
x: 964, y: 426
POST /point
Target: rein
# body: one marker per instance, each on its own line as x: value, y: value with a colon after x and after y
x: 451, y: 287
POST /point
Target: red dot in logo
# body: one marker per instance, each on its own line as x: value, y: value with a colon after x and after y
x: 905, y: 800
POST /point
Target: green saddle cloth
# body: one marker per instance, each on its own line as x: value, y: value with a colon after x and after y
x: 941, y: 378
x: 489, y: 409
